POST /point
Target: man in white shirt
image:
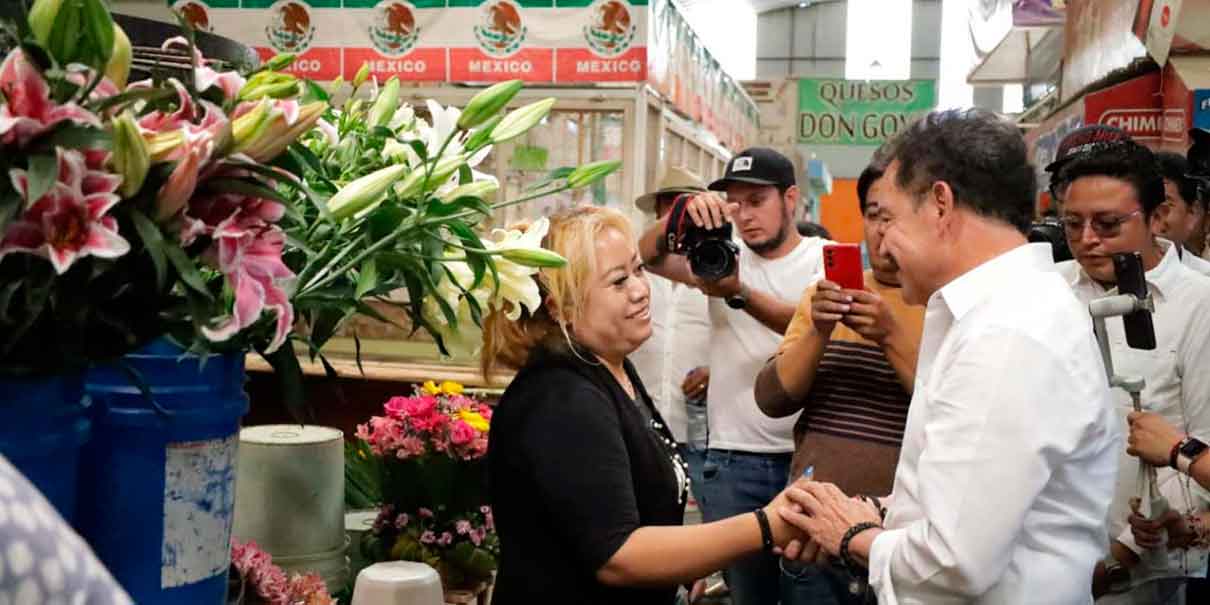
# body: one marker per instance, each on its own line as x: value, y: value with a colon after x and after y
x: 1177, y: 217
x: 673, y: 363
x: 1111, y: 191
x: 1009, y: 454
x: 749, y: 454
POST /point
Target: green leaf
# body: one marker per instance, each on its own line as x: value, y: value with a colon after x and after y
x: 6, y: 298
x: 98, y: 25
x: 314, y: 92
x: 477, y: 261
x: 382, y: 131
x: 384, y: 220
x: 153, y: 241
x: 187, y: 270
x: 289, y: 373
x: 327, y: 322
x: 74, y: 136
x: 420, y: 149
x: 246, y: 187
x: 373, y: 313
x: 141, y: 94
x: 465, y: 174
x: 357, y: 354
x: 367, y: 278
x: 305, y: 157
x: 43, y: 174
x: 471, y: 302
x: 65, y: 34
x: 557, y: 174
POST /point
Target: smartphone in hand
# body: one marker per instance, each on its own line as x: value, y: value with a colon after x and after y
x: 842, y: 265
x: 1128, y: 270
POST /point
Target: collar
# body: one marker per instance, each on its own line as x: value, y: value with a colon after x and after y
x: 969, y: 289
x: 1161, y: 279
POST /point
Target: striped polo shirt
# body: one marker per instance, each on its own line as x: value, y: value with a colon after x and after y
x: 853, y: 417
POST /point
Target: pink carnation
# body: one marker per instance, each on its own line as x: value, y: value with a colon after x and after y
x: 402, y: 521
x: 425, y: 513
x: 462, y: 433
x: 463, y: 526
x: 396, y: 407
x: 428, y: 537
x: 446, y: 539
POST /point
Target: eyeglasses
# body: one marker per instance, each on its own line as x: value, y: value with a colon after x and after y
x: 1103, y: 225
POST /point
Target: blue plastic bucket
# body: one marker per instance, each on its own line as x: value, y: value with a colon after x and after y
x: 158, y: 478
x: 44, y: 427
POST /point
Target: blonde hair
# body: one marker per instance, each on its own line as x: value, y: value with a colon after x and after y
x: 573, y: 233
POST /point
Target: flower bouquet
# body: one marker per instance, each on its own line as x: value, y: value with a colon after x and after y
x: 255, y: 580
x: 430, y: 449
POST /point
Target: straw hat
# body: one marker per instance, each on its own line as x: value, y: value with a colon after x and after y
x: 676, y: 180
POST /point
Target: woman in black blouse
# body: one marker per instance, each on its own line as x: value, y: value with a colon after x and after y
x: 587, y: 490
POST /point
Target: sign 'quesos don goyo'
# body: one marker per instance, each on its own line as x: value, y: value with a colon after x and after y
x: 853, y: 112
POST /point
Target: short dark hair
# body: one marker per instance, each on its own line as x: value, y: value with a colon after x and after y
x: 810, y: 229
x: 872, y: 172
x: 1125, y: 160
x: 981, y: 156
x: 1175, y: 168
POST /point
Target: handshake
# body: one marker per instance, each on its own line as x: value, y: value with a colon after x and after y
x: 812, y: 521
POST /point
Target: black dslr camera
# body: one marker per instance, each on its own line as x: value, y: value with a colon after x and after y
x: 711, y: 253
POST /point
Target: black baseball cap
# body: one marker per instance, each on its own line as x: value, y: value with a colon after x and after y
x: 1198, y: 155
x: 758, y: 166
x: 1085, y: 140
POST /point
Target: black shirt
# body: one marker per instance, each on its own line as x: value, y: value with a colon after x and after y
x: 574, y: 468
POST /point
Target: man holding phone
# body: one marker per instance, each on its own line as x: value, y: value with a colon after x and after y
x: 848, y: 361
x: 748, y: 458
x: 1110, y: 187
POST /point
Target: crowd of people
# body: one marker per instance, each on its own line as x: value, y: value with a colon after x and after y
x: 947, y: 433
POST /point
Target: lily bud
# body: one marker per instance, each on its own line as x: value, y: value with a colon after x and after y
x: 519, y: 121
x: 442, y: 171
x: 181, y: 184
x: 280, y: 62
x: 533, y: 257
x: 590, y: 173
x: 269, y: 84
x: 118, y: 68
x: 42, y: 18
x: 487, y: 103
x: 365, y: 192
x: 336, y: 85
x: 384, y: 107
x: 477, y: 189
x: 161, y: 145
x: 483, y: 135
x: 251, y: 124
x: 363, y: 74
x: 279, y: 132
x: 130, y: 158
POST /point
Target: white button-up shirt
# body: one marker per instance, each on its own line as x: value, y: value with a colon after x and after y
x: 680, y: 342
x: 1190, y: 259
x: 1177, y: 376
x: 1010, y: 451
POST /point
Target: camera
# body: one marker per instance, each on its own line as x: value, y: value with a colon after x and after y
x: 1050, y: 230
x: 711, y: 252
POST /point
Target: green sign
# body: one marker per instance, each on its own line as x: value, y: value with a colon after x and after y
x: 860, y: 112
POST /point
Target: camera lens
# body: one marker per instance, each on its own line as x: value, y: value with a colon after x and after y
x: 712, y: 260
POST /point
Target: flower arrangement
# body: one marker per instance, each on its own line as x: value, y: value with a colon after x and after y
x: 133, y: 210
x: 255, y: 580
x: 429, y: 451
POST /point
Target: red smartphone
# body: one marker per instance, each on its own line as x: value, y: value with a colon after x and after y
x: 842, y: 265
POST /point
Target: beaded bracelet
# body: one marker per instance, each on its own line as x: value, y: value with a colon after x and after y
x: 850, y: 565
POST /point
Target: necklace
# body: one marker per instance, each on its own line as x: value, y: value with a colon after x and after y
x: 679, y: 466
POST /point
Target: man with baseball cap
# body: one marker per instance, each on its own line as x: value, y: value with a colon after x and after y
x: 1111, y: 187
x: 748, y: 460
x: 673, y: 363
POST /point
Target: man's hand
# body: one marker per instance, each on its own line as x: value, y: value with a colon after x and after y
x: 723, y: 288
x: 827, y: 514
x: 1151, y: 438
x: 709, y: 210
x: 829, y: 304
x: 870, y: 316
x: 1150, y: 533
x: 696, y: 382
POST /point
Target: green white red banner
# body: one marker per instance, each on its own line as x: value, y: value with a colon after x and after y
x: 538, y: 41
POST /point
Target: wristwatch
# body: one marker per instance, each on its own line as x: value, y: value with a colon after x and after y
x: 1188, y: 452
x: 738, y: 300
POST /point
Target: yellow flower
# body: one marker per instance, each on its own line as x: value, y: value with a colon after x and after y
x: 450, y: 387
x: 431, y: 388
x: 477, y: 422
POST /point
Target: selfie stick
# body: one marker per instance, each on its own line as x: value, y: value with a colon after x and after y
x: 1151, y: 504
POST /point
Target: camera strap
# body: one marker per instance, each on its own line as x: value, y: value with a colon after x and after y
x: 678, y: 221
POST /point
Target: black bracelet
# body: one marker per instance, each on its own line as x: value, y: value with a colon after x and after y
x: 850, y: 565
x: 766, y: 532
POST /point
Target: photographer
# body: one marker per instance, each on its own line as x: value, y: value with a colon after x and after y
x: 1111, y: 188
x: 752, y: 291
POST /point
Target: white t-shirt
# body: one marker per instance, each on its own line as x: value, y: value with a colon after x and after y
x: 740, y: 346
x: 680, y: 342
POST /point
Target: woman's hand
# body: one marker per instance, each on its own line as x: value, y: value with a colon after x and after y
x: 1150, y: 533
x: 1152, y: 438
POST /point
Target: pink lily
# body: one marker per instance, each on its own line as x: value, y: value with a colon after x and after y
x: 251, y: 261
x: 28, y: 110
x: 177, y: 126
x: 181, y: 184
x: 68, y: 222
x: 204, y: 77
x: 82, y: 75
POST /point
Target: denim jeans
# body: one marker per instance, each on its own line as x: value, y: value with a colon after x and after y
x: 827, y: 584
x: 735, y: 483
x: 695, y: 457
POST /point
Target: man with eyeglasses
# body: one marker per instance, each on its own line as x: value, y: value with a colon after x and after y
x: 1110, y: 187
x: 1178, y: 217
